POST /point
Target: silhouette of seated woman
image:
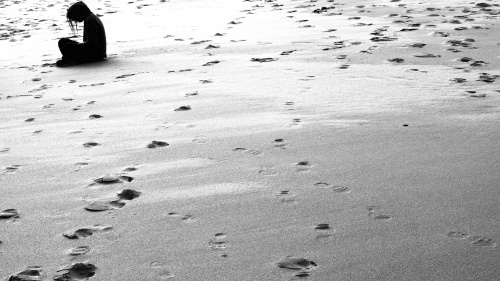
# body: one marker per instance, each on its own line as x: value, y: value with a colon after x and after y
x: 93, y: 47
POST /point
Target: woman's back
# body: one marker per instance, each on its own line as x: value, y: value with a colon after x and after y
x: 94, y: 35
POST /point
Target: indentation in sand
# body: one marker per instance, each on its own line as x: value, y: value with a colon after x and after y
x: 79, y: 251
x: 303, y: 265
x: 9, y: 214
x: 33, y: 273
x: 76, y: 271
x: 86, y: 232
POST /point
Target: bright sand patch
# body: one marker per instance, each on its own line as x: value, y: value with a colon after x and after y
x: 339, y: 140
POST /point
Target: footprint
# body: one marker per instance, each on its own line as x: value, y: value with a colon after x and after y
x: 86, y: 232
x: 11, y: 214
x: 488, y: 78
x: 29, y: 120
x: 479, y: 63
x: 124, y: 195
x: 155, y: 144
x: 91, y: 144
x: 303, y: 166
x: 482, y: 241
x: 186, y: 218
x: 290, y: 105
x: 322, y: 185
x: 130, y: 169
x: 459, y: 80
x: 457, y: 235
x: 218, y: 242
x: 210, y: 63
x: 112, y: 179
x: 3, y: 150
x: 344, y: 66
x: 396, y: 60
x: 76, y: 271
x: 381, y: 217
x: 340, y: 189
x: 267, y: 171
x: 31, y: 273
x: 100, y: 206
x: 129, y: 194
x: 476, y: 95
x: 95, y: 116
x: 323, y: 231
x: 263, y: 59
x: 426, y: 55
x: 286, y: 53
x: 303, y: 265
x: 383, y: 39
x: 124, y: 76
x: 286, y: 197
x: 295, y: 122
x: 279, y: 143
x: 12, y: 168
x: 183, y: 108
x: 163, y: 272
x: 322, y: 226
x: 308, y: 78
x: 374, y: 213
x: 416, y: 45
x: 200, y: 42
x: 79, y: 251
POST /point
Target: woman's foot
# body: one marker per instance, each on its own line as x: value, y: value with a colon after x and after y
x: 65, y: 63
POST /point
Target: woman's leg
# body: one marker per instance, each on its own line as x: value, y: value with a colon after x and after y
x: 80, y: 53
x: 62, y: 42
x: 76, y: 53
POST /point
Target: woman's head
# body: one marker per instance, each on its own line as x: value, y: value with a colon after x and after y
x: 77, y: 13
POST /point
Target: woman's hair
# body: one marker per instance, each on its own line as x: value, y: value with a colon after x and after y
x: 76, y: 11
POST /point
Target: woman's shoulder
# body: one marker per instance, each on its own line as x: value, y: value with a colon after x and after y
x: 92, y: 17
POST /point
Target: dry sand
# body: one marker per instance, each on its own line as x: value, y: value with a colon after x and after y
x: 361, y: 138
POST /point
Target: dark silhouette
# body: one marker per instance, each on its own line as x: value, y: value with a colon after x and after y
x: 93, y: 47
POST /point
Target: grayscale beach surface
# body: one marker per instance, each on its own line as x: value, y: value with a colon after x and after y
x: 252, y: 140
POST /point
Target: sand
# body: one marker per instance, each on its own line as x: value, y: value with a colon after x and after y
x: 253, y: 140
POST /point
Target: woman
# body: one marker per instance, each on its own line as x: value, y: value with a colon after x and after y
x: 93, y: 47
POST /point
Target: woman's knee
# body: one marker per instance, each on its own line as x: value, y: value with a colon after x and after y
x: 62, y: 42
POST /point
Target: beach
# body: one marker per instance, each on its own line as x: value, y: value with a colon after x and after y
x: 252, y: 140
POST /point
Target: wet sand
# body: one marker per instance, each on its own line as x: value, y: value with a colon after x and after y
x: 253, y: 140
